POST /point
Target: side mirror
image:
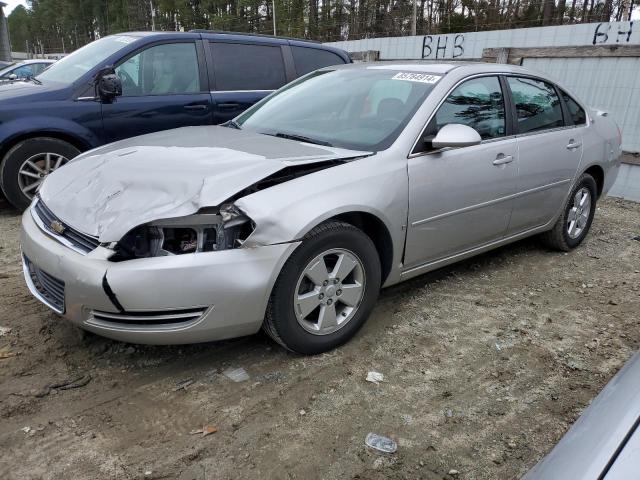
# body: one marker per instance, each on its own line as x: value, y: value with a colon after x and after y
x: 455, y: 135
x: 13, y: 76
x: 109, y: 87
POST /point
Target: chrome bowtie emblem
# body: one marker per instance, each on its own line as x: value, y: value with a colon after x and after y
x: 57, y: 227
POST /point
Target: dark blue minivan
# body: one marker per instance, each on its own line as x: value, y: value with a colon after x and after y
x: 136, y: 83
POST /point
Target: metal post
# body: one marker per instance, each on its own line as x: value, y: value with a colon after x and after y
x: 414, y: 17
x: 153, y: 16
x: 273, y: 9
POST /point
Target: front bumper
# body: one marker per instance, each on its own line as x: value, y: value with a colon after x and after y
x: 165, y: 300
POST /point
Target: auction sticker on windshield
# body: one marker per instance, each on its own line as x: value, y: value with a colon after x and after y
x: 416, y: 77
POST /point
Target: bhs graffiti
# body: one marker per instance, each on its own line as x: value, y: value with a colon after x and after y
x: 603, y: 33
x: 439, y: 46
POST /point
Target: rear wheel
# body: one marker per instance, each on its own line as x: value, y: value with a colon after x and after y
x: 574, y: 223
x: 28, y: 163
x: 325, y: 291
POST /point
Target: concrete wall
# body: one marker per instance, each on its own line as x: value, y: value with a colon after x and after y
x: 467, y: 46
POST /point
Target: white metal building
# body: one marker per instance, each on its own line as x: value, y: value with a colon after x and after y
x: 609, y: 83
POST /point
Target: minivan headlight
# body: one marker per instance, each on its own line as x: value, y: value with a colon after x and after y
x: 202, y: 232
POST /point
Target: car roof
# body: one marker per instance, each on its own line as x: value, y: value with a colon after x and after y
x: 228, y: 34
x: 426, y: 66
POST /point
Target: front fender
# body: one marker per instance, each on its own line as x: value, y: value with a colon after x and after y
x: 374, y: 185
x: 41, y: 125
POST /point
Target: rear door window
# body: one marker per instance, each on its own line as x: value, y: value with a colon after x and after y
x: 578, y: 115
x: 310, y: 59
x: 240, y: 66
x: 537, y: 104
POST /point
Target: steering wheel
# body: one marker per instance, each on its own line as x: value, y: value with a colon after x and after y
x: 126, y: 79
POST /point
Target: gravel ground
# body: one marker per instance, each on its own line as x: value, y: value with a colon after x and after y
x: 486, y: 364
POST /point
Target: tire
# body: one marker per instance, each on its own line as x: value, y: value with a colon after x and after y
x: 35, y: 149
x: 559, y: 237
x: 349, y: 247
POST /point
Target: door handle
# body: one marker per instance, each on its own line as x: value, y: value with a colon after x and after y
x: 227, y: 106
x: 573, y: 144
x: 503, y: 159
x: 196, y: 107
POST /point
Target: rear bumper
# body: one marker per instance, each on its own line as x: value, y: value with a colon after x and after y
x: 165, y: 300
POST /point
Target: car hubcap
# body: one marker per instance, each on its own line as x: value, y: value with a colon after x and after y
x: 579, y: 213
x: 329, y: 291
x: 34, y: 170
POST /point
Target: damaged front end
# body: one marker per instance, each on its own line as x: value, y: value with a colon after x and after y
x: 209, y: 230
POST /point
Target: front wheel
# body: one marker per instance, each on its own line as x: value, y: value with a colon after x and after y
x: 27, y: 164
x: 325, y: 291
x: 573, y: 225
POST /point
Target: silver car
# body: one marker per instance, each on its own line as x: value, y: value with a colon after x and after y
x: 292, y: 216
x: 604, y: 444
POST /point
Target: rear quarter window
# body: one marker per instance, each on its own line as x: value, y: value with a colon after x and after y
x: 310, y: 59
x: 576, y: 112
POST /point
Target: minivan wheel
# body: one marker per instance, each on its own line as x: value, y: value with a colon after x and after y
x: 573, y: 225
x: 27, y: 164
x: 325, y: 291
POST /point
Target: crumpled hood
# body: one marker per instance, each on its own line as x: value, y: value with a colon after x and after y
x: 110, y: 190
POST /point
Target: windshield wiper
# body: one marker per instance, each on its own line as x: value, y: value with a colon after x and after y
x: 300, y: 138
x: 232, y: 124
x: 34, y: 80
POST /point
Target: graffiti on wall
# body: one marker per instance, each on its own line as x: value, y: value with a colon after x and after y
x: 608, y: 32
x: 443, y: 46
x: 452, y: 46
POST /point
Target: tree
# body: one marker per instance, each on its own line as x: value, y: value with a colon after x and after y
x: 64, y: 25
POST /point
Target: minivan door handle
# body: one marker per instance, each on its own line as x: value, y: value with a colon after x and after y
x: 503, y: 159
x: 227, y: 106
x: 196, y: 107
x: 573, y: 144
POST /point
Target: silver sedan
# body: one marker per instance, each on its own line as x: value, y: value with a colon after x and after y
x: 295, y: 214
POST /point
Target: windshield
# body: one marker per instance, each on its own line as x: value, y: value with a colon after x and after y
x: 358, y: 109
x: 72, y: 67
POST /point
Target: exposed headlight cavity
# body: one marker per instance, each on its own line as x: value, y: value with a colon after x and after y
x: 222, y: 229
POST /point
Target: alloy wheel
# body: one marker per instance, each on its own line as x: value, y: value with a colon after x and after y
x: 579, y: 213
x: 329, y: 291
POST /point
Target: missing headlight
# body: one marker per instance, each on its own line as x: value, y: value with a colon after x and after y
x: 180, y: 240
x: 204, y: 232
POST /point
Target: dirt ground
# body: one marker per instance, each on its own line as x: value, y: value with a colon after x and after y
x: 486, y: 364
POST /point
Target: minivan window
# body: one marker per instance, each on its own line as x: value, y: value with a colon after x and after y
x: 578, y: 115
x: 170, y: 68
x: 537, y: 104
x: 477, y: 103
x: 239, y: 66
x: 73, y: 66
x: 310, y: 59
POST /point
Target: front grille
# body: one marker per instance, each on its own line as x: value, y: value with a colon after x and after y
x: 155, y: 318
x: 79, y: 241
x: 47, y: 288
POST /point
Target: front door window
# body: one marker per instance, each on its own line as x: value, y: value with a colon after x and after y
x: 477, y: 103
x: 161, y: 70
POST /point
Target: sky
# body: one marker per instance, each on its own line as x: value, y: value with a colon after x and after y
x: 11, y: 4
